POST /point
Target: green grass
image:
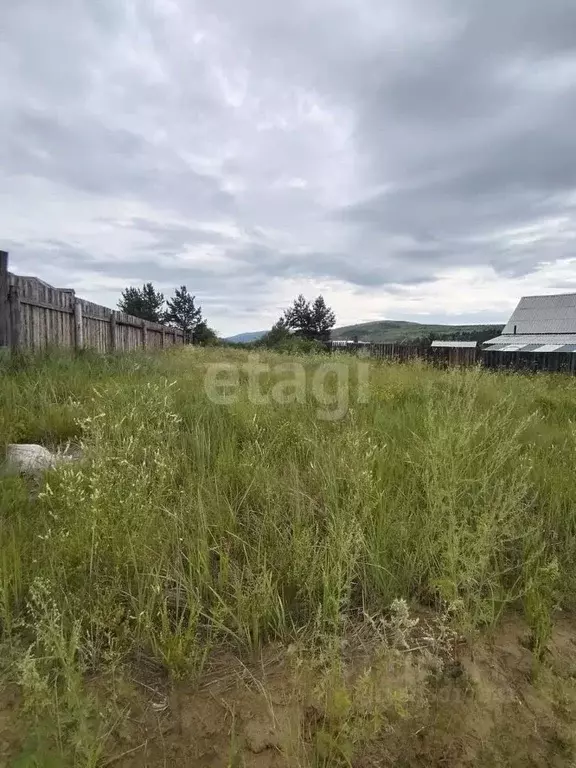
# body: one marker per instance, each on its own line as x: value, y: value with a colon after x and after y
x: 191, y: 527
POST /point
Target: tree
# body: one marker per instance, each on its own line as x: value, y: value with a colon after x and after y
x: 279, y: 334
x: 144, y: 302
x: 323, y: 319
x: 204, y: 335
x: 299, y: 317
x: 312, y: 322
x: 182, y: 311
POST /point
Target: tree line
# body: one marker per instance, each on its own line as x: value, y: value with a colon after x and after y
x: 179, y: 311
x: 305, y: 323
x: 303, y: 326
x: 480, y: 335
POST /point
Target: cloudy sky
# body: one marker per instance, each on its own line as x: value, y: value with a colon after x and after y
x: 411, y: 159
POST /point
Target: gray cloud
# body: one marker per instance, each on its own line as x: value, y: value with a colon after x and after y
x: 230, y: 145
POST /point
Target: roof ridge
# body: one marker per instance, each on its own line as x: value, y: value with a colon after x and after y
x: 547, y: 295
x: 539, y: 333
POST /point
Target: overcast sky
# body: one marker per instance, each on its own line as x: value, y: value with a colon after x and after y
x: 411, y: 159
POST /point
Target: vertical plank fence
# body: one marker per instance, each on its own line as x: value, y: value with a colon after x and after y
x: 35, y: 315
x: 453, y: 356
x: 522, y: 361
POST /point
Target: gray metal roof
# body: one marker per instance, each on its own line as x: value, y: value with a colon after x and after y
x: 509, y: 347
x: 544, y: 314
x: 533, y: 338
x: 454, y: 344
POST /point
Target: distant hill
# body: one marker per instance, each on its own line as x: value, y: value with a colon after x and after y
x: 399, y: 330
x: 244, y: 338
x: 394, y: 331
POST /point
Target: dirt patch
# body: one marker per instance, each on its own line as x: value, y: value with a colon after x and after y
x: 10, y: 734
x: 489, y: 706
x: 236, y: 716
x: 507, y: 711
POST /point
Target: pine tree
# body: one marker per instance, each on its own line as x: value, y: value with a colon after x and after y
x: 310, y: 322
x: 182, y: 311
x: 298, y: 317
x: 323, y: 319
x: 145, y: 303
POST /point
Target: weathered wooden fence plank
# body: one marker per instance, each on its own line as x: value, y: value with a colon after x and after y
x: 4, y: 306
x: 112, y: 332
x: 15, y: 317
x: 78, y: 325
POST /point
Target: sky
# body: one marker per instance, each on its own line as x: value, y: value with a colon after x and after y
x: 409, y: 159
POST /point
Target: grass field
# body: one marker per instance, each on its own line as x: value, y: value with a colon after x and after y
x: 253, y: 584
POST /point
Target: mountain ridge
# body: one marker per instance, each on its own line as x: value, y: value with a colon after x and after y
x: 245, y: 338
x: 382, y: 331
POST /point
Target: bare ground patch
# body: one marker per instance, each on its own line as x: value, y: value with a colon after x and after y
x: 485, y: 705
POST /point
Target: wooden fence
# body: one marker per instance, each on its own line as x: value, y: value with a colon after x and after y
x: 402, y: 352
x: 559, y: 362
x: 35, y: 315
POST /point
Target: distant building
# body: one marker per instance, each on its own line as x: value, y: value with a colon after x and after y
x: 539, y: 324
x: 348, y: 343
x: 449, y: 344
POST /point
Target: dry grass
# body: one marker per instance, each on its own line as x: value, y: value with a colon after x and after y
x: 192, y: 530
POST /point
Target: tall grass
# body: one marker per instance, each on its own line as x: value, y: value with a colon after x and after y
x: 190, y: 526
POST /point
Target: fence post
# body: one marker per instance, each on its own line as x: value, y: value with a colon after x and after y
x: 175, y: 342
x: 15, y: 317
x: 112, y: 332
x: 163, y: 337
x: 78, y: 325
x: 144, y: 334
x: 4, y: 307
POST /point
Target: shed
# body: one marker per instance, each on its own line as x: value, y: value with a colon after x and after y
x: 453, y: 352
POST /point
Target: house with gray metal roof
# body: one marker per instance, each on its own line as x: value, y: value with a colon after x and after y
x: 539, y: 324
